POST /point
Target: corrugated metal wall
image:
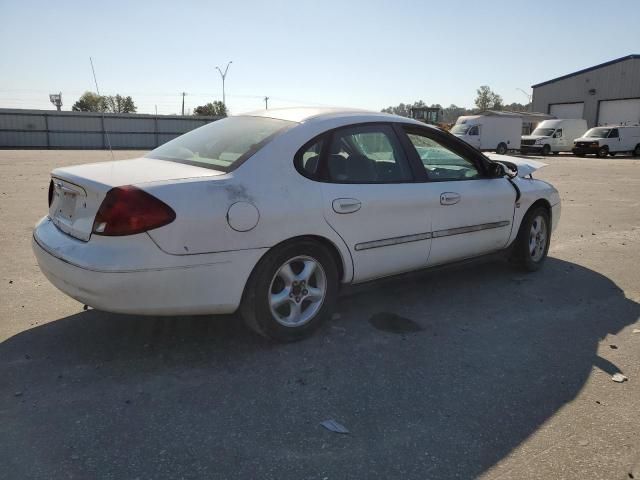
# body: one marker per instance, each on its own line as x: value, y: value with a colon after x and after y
x: 86, y: 130
x: 617, y: 81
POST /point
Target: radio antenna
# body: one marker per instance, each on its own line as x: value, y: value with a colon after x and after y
x: 106, y: 133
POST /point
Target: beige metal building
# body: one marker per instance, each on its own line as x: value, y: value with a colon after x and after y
x: 605, y: 94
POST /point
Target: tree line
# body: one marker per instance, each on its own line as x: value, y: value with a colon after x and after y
x: 486, y: 99
x: 92, y: 102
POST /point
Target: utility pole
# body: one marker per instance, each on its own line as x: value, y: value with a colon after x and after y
x: 224, y: 76
x: 266, y: 103
x: 156, y: 110
x: 183, y: 94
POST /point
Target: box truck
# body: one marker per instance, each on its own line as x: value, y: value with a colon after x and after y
x: 499, y: 132
x: 553, y: 136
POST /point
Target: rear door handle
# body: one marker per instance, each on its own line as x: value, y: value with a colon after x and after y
x: 346, y: 205
x: 449, y: 198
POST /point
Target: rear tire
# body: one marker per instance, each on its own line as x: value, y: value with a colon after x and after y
x: 636, y: 151
x: 546, y: 150
x: 532, y: 243
x: 612, y: 154
x: 501, y: 149
x: 603, y: 152
x: 291, y: 291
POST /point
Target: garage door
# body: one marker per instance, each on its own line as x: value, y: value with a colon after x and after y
x: 567, y: 110
x: 614, y: 112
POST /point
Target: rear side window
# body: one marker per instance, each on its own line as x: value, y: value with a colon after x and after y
x: 367, y: 154
x: 223, y: 144
x: 309, y: 158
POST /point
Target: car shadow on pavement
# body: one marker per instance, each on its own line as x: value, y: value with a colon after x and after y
x: 495, y: 354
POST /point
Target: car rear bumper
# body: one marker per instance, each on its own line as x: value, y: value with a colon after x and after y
x: 136, y: 277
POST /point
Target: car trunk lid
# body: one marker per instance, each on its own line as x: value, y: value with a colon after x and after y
x: 78, y: 191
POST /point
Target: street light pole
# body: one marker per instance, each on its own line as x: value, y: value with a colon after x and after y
x: 223, y: 75
x: 266, y: 103
x: 528, y: 96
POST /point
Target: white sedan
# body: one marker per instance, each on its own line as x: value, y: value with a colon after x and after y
x: 271, y: 212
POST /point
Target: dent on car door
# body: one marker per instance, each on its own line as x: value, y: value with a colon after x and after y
x: 371, y: 200
x: 471, y: 213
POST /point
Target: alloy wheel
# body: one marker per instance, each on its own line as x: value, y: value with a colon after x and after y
x: 297, y: 291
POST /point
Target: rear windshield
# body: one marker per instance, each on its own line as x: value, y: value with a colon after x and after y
x: 223, y: 144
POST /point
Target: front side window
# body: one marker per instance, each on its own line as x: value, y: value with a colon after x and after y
x: 223, y: 144
x: 475, y: 130
x: 558, y: 133
x: 614, y: 133
x: 440, y: 163
x: 367, y: 154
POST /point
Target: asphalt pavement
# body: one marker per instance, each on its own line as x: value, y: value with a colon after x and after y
x: 474, y: 371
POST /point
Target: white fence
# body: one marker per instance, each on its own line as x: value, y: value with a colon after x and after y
x: 86, y: 130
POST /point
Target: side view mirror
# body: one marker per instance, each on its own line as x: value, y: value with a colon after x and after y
x: 499, y: 170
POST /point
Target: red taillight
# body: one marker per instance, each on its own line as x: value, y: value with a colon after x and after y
x: 128, y: 210
x: 50, y: 192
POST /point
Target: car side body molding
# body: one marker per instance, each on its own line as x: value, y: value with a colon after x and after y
x: 428, y: 235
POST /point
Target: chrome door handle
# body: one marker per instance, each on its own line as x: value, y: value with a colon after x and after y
x: 346, y: 205
x: 449, y: 198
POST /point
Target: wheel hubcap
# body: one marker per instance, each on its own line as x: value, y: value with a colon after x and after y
x: 538, y: 238
x: 297, y: 291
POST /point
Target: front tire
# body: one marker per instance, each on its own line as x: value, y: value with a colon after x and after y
x: 546, y: 150
x: 603, y: 152
x: 292, y: 290
x: 532, y: 243
x: 636, y: 151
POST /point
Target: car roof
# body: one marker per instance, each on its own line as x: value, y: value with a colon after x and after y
x: 309, y: 114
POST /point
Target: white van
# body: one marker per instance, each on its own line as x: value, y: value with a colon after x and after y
x: 610, y: 140
x: 490, y: 132
x: 553, y: 136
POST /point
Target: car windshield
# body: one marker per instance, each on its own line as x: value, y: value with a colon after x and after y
x: 544, y: 132
x: 598, y: 133
x: 223, y: 144
x: 460, y: 129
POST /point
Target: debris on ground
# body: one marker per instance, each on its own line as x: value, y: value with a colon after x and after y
x: 17, y: 394
x: 334, y: 426
x: 613, y: 347
x: 636, y: 330
x: 619, y: 378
